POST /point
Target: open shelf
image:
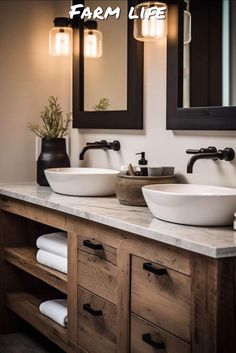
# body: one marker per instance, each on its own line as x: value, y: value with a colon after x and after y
x: 26, y: 306
x: 25, y: 259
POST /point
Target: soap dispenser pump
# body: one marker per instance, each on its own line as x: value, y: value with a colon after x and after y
x: 142, y: 162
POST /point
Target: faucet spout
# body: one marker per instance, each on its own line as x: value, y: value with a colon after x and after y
x: 103, y: 145
x: 90, y: 147
x: 227, y: 154
x: 191, y: 162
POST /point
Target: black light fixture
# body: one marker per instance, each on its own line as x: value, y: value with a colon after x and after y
x: 60, y: 37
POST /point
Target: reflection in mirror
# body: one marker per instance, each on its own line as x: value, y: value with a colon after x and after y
x: 209, y: 60
x: 105, y: 75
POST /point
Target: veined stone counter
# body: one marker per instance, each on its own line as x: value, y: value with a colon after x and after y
x: 216, y: 242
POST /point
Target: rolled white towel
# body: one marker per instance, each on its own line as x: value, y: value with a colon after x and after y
x: 56, y: 310
x: 55, y: 243
x: 51, y: 260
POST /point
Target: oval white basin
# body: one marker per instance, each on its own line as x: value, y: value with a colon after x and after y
x: 82, y: 181
x: 199, y: 205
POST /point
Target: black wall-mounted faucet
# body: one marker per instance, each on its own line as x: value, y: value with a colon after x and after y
x: 227, y: 154
x: 103, y: 145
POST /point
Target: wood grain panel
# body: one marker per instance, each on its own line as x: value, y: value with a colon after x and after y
x: 25, y: 258
x: 26, y: 306
x: 167, y: 255
x: 214, y: 305
x: 140, y: 327
x: 13, y: 230
x: 123, y: 312
x: 164, y: 254
x: 34, y: 212
x: 93, y: 230
x: 163, y: 300
x: 107, y: 252
x: 96, y: 334
x: 97, y: 270
x: 72, y: 241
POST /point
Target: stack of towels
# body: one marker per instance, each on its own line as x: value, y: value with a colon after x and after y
x: 56, y: 310
x: 53, y: 251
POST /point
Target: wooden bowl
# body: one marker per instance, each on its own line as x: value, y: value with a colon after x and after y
x: 129, y: 188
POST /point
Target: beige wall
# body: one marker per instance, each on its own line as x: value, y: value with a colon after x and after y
x: 162, y: 147
x: 28, y: 76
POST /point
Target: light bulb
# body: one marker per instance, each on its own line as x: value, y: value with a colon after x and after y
x: 150, y: 28
x: 92, y: 43
x: 153, y: 28
x: 62, y: 43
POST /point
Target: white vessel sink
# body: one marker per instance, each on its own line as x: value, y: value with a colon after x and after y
x: 82, y: 181
x: 199, y: 205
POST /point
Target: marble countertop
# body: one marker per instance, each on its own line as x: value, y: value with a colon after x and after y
x: 216, y: 242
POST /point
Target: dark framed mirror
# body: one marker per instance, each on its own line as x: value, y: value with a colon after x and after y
x: 107, y: 85
x: 201, y: 74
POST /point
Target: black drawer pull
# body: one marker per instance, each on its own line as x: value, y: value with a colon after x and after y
x: 148, y: 339
x: 91, y: 245
x: 90, y: 310
x: 157, y: 271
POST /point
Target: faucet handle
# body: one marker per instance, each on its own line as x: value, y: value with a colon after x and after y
x: 192, y: 151
x: 210, y: 149
x: 96, y: 142
x: 115, y: 145
x: 227, y: 154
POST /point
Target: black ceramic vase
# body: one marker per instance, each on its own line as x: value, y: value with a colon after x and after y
x: 53, y: 155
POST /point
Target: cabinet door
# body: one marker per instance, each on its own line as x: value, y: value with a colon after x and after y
x: 97, y: 323
x: 97, y: 268
x: 161, y: 296
x: 148, y: 338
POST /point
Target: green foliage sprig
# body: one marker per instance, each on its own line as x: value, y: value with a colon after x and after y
x: 54, y: 125
x: 102, y: 105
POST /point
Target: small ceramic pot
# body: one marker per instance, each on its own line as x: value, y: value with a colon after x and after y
x: 155, y: 171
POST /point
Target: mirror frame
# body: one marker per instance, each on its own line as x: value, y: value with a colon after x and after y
x: 132, y: 118
x: 196, y: 118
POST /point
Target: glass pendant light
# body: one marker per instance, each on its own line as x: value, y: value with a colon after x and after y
x: 150, y: 28
x: 187, y: 24
x: 92, y: 40
x: 60, y: 37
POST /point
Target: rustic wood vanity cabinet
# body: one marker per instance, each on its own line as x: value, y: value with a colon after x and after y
x: 126, y: 293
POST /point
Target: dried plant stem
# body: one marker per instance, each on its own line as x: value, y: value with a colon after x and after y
x: 54, y: 125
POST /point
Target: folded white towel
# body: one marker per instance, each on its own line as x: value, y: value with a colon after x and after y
x: 51, y: 260
x: 56, y: 310
x: 55, y: 243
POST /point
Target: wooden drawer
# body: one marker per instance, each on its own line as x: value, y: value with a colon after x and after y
x: 97, y: 268
x: 161, y: 296
x: 97, y: 323
x: 146, y: 338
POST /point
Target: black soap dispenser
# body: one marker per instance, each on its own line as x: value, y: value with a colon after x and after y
x: 142, y: 162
